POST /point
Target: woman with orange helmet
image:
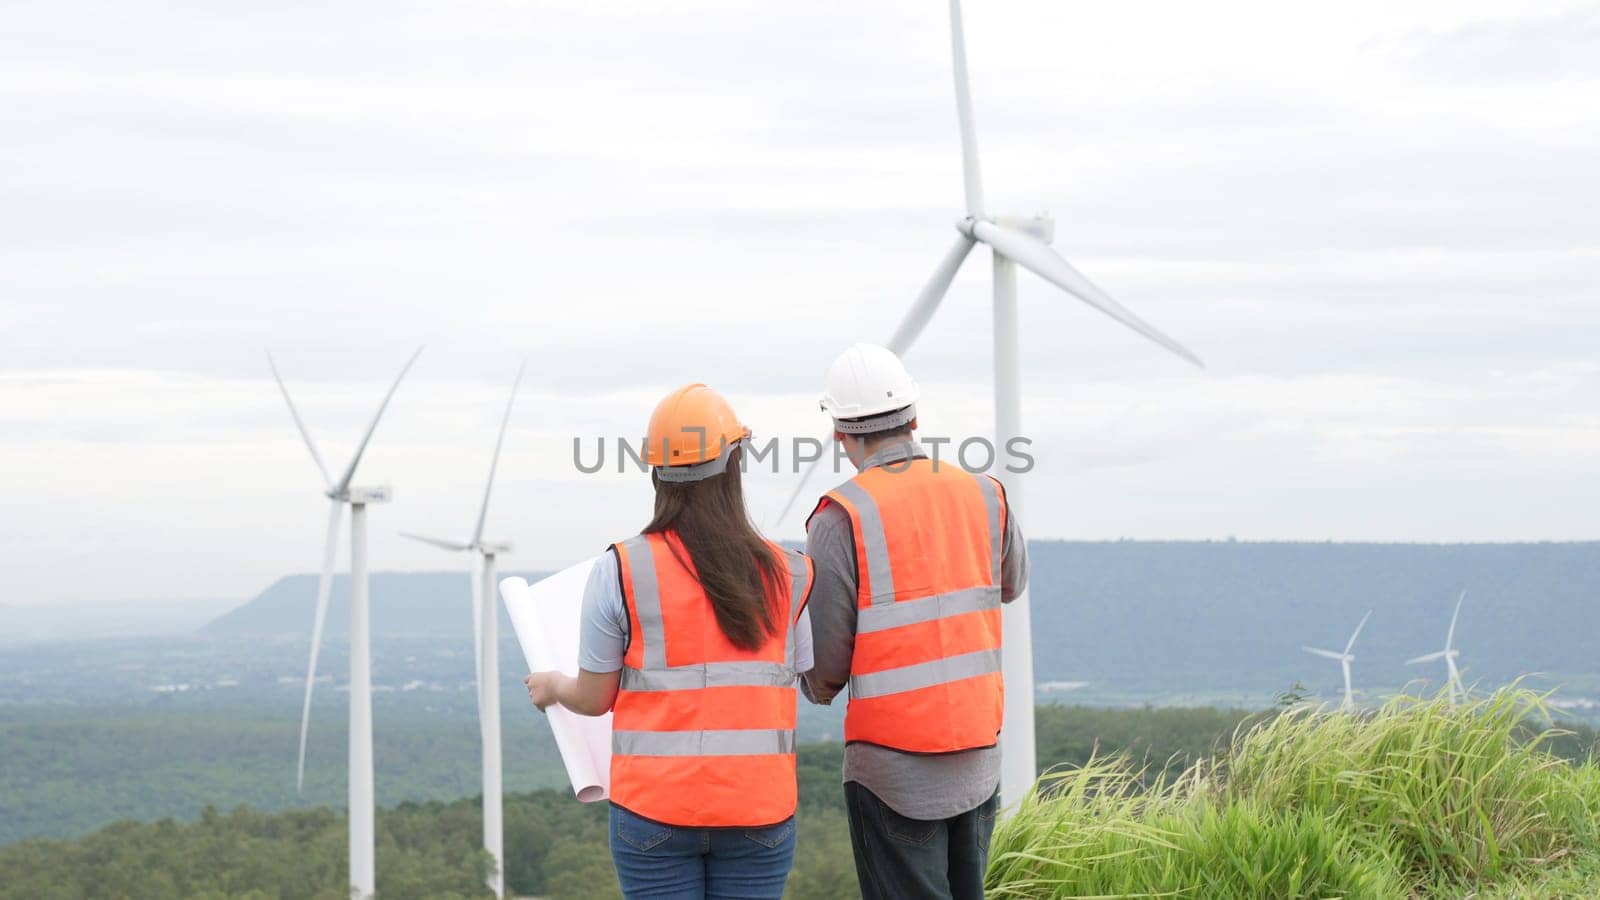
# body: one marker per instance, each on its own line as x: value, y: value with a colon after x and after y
x: 694, y: 633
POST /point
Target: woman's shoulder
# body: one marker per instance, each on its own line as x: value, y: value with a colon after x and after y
x: 605, y: 567
x: 602, y: 596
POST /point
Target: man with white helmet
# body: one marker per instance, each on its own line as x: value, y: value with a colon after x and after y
x: 913, y: 558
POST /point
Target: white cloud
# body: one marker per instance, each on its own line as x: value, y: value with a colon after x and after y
x: 1538, y: 46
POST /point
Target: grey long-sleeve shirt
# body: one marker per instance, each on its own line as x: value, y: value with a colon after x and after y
x: 918, y: 786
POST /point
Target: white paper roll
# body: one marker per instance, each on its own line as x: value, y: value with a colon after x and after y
x: 546, y: 617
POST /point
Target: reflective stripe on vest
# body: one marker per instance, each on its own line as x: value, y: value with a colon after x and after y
x: 920, y: 675
x: 703, y: 732
x: 939, y: 606
x: 925, y: 673
x: 726, y: 742
x: 880, y: 577
x: 728, y: 674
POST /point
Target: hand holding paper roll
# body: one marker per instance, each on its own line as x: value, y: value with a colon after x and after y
x: 544, y: 688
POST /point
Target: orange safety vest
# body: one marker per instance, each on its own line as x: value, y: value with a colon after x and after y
x: 925, y: 674
x: 702, y: 731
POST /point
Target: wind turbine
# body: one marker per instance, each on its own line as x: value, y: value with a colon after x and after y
x: 1345, y: 659
x: 1448, y: 654
x: 486, y: 654
x: 363, y: 878
x: 1013, y: 242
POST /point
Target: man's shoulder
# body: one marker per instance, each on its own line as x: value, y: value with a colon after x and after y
x: 826, y: 513
x: 827, y: 526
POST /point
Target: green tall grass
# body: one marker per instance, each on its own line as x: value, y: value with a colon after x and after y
x: 1416, y: 799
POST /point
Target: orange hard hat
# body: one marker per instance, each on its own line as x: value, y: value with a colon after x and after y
x: 691, y: 433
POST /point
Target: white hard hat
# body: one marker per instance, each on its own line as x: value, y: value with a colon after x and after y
x: 869, y: 382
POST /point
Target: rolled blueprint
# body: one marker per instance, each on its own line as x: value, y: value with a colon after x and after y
x: 546, y: 618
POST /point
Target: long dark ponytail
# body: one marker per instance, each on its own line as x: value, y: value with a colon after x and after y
x: 736, y: 567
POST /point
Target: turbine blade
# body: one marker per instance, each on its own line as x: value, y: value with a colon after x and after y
x: 1327, y: 654
x: 804, y: 477
x: 1426, y: 657
x: 324, y: 584
x: 1357, y: 633
x: 441, y: 543
x: 1450, y: 637
x: 928, y: 298
x: 922, y: 309
x: 295, y: 413
x: 494, y: 461
x: 1037, y: 257
x: 969, y: 134
x: 350, y: 471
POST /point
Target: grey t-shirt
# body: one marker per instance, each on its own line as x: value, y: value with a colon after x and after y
x: 604, y: 638
x: 918, y: 786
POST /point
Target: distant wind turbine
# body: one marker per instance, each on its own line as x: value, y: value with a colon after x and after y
x: 486, y: 654
x: 1345, y: 659
x: 363, y: 876
x: 1013, y: 242
x: 1448, y: 654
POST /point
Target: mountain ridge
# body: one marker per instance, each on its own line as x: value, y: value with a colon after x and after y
x: 1165, y: 616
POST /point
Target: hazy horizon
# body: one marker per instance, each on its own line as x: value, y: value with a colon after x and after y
x: 133, y: 617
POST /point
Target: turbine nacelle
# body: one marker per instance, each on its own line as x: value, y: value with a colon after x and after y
x: 377, y: 493
x: 1040, y: 227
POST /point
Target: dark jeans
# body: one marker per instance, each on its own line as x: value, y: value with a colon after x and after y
x: 656, y: 860
x: 897, y: 857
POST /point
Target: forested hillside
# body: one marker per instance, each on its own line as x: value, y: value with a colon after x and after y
x: 62, y: 776
x: 65, y: 774
x: 555, y: 846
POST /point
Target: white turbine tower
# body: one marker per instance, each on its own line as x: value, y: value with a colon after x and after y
x: 363, y: 877
x: 1013, y: 242
x: 1345, y: 659
x: 486, y: 655
x: 1448, y: 654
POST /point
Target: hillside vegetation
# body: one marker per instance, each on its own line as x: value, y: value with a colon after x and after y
x: 65, y: 772
x: 555, y: 846
x: 1416, y: 799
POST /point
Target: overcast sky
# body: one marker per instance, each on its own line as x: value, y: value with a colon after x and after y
x: 1376, y: 221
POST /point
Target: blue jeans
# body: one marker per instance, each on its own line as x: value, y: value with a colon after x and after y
x: 911, y: 859
x: 656, y: 860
